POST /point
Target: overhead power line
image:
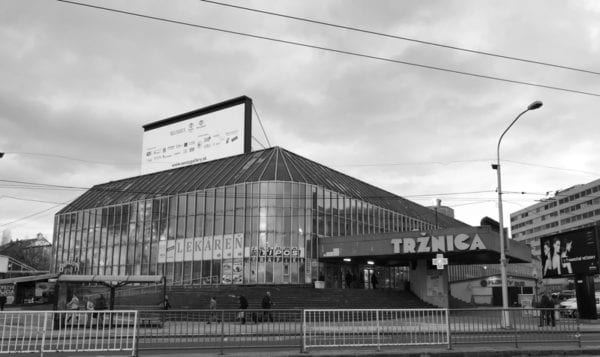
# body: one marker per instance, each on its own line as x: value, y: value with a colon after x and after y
x: 429, y: 43
x: 356, y: 54
x: 33, y: 215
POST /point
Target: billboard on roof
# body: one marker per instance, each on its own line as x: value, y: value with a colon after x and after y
x: 570, y: 253
x: 210, y: 133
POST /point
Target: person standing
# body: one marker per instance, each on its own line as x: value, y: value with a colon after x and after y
x: 374, y: 281
x: 212, y: 305
x: 243, y: 306
x: 348, y: 278
x: 545, y: 304
x: 267, y: 303
x: 99, y: 306
x: 2, y: 301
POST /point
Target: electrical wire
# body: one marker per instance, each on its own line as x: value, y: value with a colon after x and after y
x: 28, y: 199
x: 70, y: 158
x: 429, y: 43
x: 333, y: 50
x: 33, y: 215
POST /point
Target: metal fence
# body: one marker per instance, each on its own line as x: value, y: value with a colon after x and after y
x: 67, y: 331
x: 72, y: 331
x: 375, y: 327
x: 475, y: 326
x: 219, y: 329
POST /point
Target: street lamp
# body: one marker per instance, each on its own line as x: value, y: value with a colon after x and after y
x: 505, y: 322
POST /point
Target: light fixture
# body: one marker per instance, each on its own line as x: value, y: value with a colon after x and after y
x: 370, y: 262
x: 347, y: 259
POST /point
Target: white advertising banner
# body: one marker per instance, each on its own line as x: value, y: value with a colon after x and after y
x: 203, y: 138
x: 201, y: 248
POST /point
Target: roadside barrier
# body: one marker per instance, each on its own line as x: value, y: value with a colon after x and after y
x: 67, y: 331
x: 469, y: 326
x: 375, y: 327
x: 219, y: 329
x: 99, y: 331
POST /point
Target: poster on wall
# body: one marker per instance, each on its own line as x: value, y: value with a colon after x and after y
x: 569, y: 253
x: 434, y: 285
x: 8, y: 290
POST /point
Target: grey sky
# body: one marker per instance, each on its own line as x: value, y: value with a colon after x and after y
x: 80, y: 82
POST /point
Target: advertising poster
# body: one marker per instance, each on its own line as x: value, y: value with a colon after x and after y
x: 202, y: 138
x: 569, y: 253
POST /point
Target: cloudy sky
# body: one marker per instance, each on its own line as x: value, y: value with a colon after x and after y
x: 78, y: 83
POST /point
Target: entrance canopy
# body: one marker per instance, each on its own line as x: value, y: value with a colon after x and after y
x: 463, y: 245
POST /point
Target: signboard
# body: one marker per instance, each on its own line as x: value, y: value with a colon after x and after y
x: 206, y: 134
x: 569, y: 253
x: 201, y: 248
x: 432, y: 244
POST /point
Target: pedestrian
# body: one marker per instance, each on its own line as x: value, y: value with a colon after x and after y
x: 554, y: 304
x: 243, y: 306
x: 2, y: 301
x: 545, y: 304
x: 212, y: 305
x: 89, y: 306
x: 166, y: 304
x: 374, y: 281
x: 73, y: 305
x: 99, y: 306
x: 267, y: 303
x: 348, y: 279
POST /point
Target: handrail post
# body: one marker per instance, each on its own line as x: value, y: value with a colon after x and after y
x: 448, y: 334
x: 222, y: 332
x: 378, y: 331
x: 44, y: 334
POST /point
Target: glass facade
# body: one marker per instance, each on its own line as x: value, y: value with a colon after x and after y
x: 263, y: 232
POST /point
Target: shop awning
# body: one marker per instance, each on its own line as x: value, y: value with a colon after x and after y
x: 23, y: 279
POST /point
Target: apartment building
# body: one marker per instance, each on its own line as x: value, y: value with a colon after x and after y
x: 573, y: 208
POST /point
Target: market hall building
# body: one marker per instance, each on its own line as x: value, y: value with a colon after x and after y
x: 262, y: 218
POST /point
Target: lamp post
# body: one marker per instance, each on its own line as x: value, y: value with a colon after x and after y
x: 505, y: 318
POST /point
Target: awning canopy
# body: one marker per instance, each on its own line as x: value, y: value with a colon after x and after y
x: 108, y: 279
x: 24, y: 279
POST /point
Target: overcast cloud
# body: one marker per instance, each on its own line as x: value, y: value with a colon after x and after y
x: 79, y: 83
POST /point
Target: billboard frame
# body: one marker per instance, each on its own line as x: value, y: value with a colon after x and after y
x: 588, y: 258
x: 246, y: 101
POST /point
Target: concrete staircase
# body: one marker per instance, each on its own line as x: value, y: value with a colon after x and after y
x: 284, y: 297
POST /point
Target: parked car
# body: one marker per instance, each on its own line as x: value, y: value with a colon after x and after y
x: 566, y: 294
x: 568, y: 308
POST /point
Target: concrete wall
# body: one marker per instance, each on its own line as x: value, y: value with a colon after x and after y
x: 430, y: 285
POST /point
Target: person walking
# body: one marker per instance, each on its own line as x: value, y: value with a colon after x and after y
x: 2, y: 301
x: 267, y: 303
x: 243, y: 306
x: 166, y: 303
x: 73, y: 305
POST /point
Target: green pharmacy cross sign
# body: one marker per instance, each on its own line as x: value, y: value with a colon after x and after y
x: 439, y: 261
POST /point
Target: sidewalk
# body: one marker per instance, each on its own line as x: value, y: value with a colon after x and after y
x: 410, y: 351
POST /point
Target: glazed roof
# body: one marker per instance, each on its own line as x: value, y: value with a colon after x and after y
x: 272, y: 164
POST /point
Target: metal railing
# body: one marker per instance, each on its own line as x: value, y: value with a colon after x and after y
x: 470, y: 326
x: 67, y: 331
x: 219, y: 329
x: 72, y: 331
x: 375, y: 327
